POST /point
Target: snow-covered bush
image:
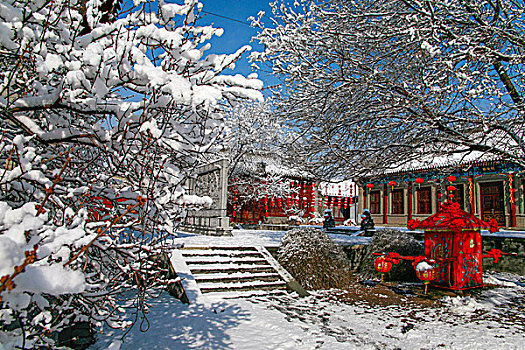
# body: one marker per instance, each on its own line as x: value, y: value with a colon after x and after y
x: 314, y: 260
x: 104, y: 115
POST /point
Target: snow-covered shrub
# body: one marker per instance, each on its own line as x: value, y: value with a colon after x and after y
x: 390, y: 240
x: 102, y: 119
x: 313, y: 259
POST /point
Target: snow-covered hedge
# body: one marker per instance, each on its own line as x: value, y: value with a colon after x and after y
x: 314, y: 260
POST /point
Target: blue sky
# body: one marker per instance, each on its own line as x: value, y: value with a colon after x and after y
x: 235, y: 34
x: 232, y: 16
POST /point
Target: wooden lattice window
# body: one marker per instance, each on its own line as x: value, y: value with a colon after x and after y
x: 398, y: 201
x: 424, y: 200
x: 375, y: 202
x: 458, y: 196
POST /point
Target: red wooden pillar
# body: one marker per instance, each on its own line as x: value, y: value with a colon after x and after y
x: 512, y: 201
x: 438, y: 197
x: 410, y: 200
x: 385, y: 204
x: 365, y: 190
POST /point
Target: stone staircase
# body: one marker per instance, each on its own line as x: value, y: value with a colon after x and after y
x: 236, y: 269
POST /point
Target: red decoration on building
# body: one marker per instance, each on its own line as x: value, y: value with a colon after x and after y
x: 451, y: 190
x: 392, y: 184
x: 370, y: 186
x: 419, y: 181
x: 451, y: 178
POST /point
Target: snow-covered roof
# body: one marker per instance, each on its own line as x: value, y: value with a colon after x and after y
x: 436, y: 162
x: 436, y: 156
x: 270, y: 164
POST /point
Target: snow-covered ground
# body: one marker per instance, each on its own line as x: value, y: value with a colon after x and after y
x: 489, y: 319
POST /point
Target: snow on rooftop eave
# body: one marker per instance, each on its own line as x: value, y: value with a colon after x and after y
x: 441, y: 165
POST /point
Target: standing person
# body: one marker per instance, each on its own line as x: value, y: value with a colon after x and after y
x: 328, y: 219
x: 367, y: 223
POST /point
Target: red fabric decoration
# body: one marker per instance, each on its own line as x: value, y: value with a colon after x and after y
x: 451, y: 178
x: 413, y: 224
x: 452, y: 217
x: 493, y: 226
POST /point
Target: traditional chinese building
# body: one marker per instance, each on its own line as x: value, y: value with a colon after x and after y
x: 264, y: 190
x: 488, y: 189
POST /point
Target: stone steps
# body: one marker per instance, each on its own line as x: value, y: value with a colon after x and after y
x: 234, y: 270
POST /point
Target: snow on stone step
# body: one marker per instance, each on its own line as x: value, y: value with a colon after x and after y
x: 227, y: 266
x: 218, y: 248
x: 220, y: 295
x: 221, y: 259
x: 223, y: 277
x: 235, y: 286
x: 202, y: 252
x: 234, y: 270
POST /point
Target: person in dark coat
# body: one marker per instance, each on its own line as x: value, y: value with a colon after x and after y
x: 328, y: 219
x: 367, y: 223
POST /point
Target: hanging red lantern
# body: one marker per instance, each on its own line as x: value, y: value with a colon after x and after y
x: 451, y: 178
x: 451, y: 188
x: 382, y: 266
x: 392, y: 184
x: 419, y: 181
x: 426, y: 272
x: 370, y: 186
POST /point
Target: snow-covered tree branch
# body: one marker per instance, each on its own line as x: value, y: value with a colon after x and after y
x: 382, y: 83
x: 104, y: 115
x: 256, y: 144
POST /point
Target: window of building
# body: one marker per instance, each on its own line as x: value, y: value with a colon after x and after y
x: 375, y: 202
x: 424, y: 200
x: 398, y: 204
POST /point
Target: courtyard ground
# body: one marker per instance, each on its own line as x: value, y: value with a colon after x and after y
x: 365, y: 316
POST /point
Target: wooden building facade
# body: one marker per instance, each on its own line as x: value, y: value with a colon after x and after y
x: 488, y: 189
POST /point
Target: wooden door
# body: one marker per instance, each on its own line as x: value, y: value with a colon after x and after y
x: 492, y: 204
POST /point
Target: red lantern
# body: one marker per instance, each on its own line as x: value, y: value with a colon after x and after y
x: 382, y: 265
x: 392, y: 184
x: 419, y: 181
x: 451, y: 178
x: 370, y: 186
x: 426, y: 273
